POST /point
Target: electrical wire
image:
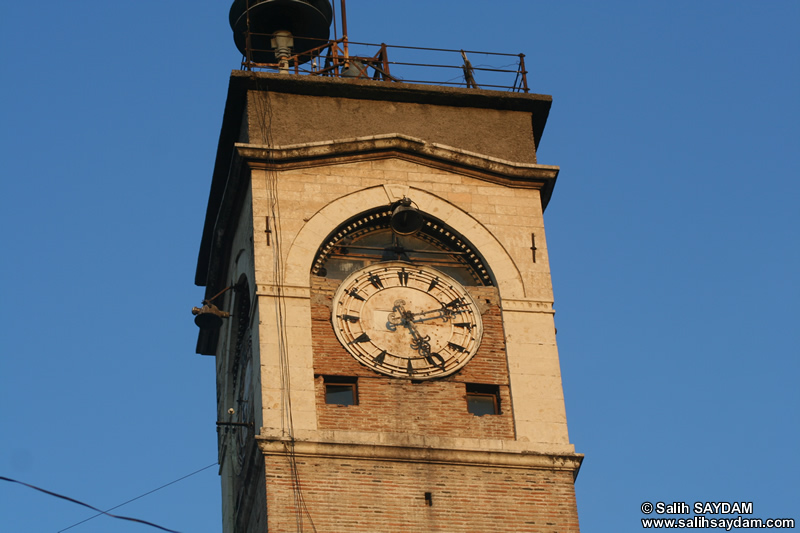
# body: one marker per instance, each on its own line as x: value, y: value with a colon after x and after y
x: 73, y: 500
x: 138, y: 497
x: 263, y: 115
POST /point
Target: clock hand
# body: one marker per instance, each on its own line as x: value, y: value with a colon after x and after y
x: 398, y: 315
x: 418, y: 342
x: 443, y: 312
x: 423, y: 346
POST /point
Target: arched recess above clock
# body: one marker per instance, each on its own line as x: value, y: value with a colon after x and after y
x: 367, y: 238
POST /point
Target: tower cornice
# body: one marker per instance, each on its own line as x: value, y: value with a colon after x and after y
x: 435, y: 155
x: 457, y: 453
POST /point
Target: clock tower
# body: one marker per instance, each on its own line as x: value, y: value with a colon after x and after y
x: 378, y: 296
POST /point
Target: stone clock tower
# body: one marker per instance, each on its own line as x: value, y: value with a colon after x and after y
x: 387, y: 357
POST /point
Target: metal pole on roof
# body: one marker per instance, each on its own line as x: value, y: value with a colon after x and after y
x: 344, y: 34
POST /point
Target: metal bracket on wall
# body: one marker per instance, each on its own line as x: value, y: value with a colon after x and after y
x: 533, y: 246
x: 268, y: 231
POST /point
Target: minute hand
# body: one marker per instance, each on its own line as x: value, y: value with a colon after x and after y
x: 444, y: 313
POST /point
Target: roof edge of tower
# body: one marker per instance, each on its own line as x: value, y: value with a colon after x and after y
x: 366, y: 89
x: 241, y: 82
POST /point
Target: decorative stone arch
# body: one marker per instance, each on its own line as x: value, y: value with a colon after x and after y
x: 323, y: 222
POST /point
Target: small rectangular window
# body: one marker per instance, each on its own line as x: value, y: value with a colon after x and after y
x: 341, y: 390
x: 483, y: 399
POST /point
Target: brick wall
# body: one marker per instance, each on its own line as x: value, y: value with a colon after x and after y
x: 436, y: 407
x: 385, y: 496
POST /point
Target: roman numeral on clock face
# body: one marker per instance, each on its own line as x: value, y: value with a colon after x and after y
x: 354, y: 294
x: 456, y: 303
x: 361, y: 338
x: 433, y: 284
x: 353, y: 319
x: 376, y: 281
x: 456, y: 347
x: 436, y: 359
x: 403, y: 277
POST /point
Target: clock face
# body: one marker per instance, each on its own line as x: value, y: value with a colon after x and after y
x: 407, y: 321
x: 244, y: 403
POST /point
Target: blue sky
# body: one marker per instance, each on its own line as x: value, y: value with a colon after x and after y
x: 672, y: 233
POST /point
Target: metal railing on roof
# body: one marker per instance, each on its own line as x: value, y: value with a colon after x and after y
x: 409, y: 64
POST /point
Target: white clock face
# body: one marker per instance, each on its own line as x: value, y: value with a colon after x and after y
x: 406, y: 320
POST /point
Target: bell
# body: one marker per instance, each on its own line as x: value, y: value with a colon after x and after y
x: 209, y: 316
x: 406, y: 219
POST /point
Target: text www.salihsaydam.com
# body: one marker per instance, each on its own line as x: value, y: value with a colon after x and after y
x: 727, y: 523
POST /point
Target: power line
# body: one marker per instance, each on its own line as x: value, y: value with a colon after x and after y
x: 263, y: 115
x: 101, y: 512
x: 87, y: 505
x: 138, y: 497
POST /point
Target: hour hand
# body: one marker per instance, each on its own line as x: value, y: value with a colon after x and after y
x: 398, y: 316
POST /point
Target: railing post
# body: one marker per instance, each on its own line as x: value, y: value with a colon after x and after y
x: 335, y: 58
x: 247, y: 43
x: 385, y: 58
x: 523, y: 72
x: 344, y: 34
